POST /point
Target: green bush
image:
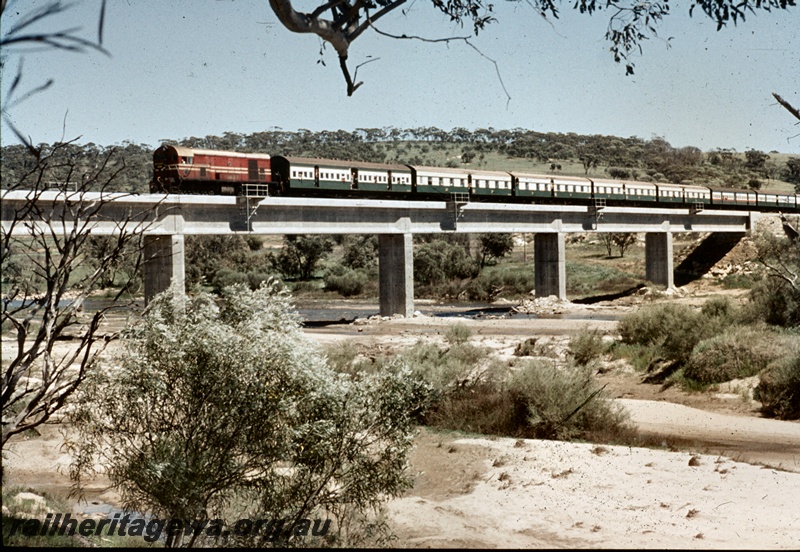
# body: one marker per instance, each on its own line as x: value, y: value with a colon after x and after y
x: 445, y: 368
x: 491, y: 283
x: 719, y: 307
x: 225, y: 277
x: 779, y: 389
x: 586, y: 346
x: 775, y: 302
x: 531, y: 347
x: 278, y: 426
x: 341, y: 356
x: 565, y: 402
x: 484, y: 408
x: 740, y: 352
x: 457, y: 334
x: 346, y: 281
x: 671, y: 328
x: 440, y: 261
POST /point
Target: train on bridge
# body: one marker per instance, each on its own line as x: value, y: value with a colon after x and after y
x: 184, y: 170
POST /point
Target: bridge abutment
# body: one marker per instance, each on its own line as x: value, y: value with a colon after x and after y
x: 658, y: 258
x: 396, y: 274
x: 550, y: 267
x: 163, y: 265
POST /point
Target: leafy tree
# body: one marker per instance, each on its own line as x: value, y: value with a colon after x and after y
x: 589, y: 161
x: 229, y: 412
x: 630, y: 23
x: 301, y: 254
x: 207, y: 255
x: 607, y: 239
x: 494, y: 247
x: 792, y: 172
x: 623, y: 240
x: 438, y: 262
x: 360, y: 252
x: 755, y: 160
x: 776, y: 299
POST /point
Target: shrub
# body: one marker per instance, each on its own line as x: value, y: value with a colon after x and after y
x: 229, y: 410
x: 346, y: 281
x: 483, y: 408
x: 341, y: 356
x: 779, y: 389
x: 360, y: 252
x: 445, y: 369
x: 673, y: 329
x: 531, y: 347
x: 565, y: 402
x: 225, y: 277
x: 737, y: 353
x: 586, y: 346
x: 457, y: 334
x: 256, y: 279
x: 439, y: 261
x: 719, y: 307
x: 494, y: 281
x: 775, y: 302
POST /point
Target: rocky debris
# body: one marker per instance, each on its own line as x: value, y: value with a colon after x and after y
x: 544, y: 305
x: 654, y: 292
x: 376, y: 318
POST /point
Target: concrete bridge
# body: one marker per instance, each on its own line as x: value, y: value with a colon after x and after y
x: 167, y: 219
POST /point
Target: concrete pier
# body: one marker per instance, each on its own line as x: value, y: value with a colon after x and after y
x: 163, y: 264
x: 396, y: 274
x: 658, y: 258
x: 550, y: 267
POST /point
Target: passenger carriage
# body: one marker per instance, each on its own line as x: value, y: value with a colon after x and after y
x: 777, y: 201
x: 641, y: 192
x: 438, y: 180
x: 730, y: 197
x: 568, y: 187
x: 683, y: 194
x: 532, y: 185
x: 491, y: 183
x: 608, y: 189
x: 179, y: 169
x: 300, y: 173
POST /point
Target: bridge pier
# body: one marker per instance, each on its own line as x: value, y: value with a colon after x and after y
x: 396, y: 274
x: 658, y: 258
x: 163, y: 265
x: 550, y: 267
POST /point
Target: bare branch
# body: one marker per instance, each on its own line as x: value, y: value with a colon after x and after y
x: 43, y: 243
x: 789, y: 107
x: 465, y: 39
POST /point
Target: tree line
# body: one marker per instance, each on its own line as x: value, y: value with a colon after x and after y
x: 595, y: 155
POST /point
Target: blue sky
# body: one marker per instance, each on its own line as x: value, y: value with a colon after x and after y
x: 183, y: 68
